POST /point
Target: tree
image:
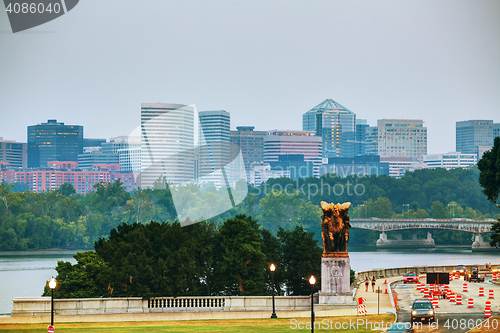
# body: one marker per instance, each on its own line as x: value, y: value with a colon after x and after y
x: 241, y: 264
x: 382, y: 207
x: 489, y: 178
x: 66, y: 189
x: 89, y: 277
x: 301, y: 259
x: 437, y: 210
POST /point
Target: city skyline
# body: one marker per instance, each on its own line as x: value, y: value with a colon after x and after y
x: 386, y: 59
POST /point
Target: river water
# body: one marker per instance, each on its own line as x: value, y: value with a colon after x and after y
x: 23, y: 274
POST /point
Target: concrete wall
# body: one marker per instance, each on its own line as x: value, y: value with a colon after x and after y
x: 81, y: 306
x: 390, y: 272
x: 40, y: 306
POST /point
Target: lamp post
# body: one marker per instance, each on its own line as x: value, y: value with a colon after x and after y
x: 52, y: 286
x: 273, y: 268
x: 312, y: 282
x: 408, y: 210
x: 365, y: 210
x: 452, y: 205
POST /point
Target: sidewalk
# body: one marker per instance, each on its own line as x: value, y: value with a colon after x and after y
x: 372, y: 297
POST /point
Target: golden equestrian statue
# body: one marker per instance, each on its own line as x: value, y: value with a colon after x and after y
x: 335, y: 229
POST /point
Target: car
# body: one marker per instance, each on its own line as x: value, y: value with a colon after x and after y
x: 400, y: 328
x: 422, y: 310
x: 460, y: 269
x: 410, y: 277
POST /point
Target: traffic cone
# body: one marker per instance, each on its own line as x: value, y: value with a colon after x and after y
x: 470, y: 303
x: 385, y: 281
x: 386, y: 291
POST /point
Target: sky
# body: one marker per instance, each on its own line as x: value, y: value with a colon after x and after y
x: 266, y: 62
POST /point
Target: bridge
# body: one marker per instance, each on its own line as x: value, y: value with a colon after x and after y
x: 381, y: 224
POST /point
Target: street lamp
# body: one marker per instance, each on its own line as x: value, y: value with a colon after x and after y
x: 312, y: 282
x: 407, y: 208
x: 453, y: 205
x: 365, y: 210
x: 273, y: 268
x: 52, y: 286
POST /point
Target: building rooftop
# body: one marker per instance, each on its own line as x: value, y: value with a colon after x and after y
x: 329, y: 105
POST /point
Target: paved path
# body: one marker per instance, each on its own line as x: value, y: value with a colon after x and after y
x: 372, y: 298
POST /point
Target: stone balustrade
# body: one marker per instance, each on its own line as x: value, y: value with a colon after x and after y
x: 80, y: 306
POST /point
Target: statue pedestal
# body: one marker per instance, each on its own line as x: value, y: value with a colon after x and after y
x: 335, y: 279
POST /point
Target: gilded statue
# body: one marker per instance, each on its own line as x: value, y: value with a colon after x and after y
x: 335, y: 228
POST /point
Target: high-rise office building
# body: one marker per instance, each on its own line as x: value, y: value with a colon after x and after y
x: 402, y: 138
x: 53, y: 141
x: 251, y: 144
x: 305, y: 143
x: 496, y: 130
x: 335, y: 124
x: 87, y: 160
x: 474, y: 136
x: 449, y: 161
x: 214, y: 151
x: 93, y: 142
x: 371, y: 147
x: 129, y: 155
x: 361, y: 137
x: 167, y: 144
x: 13, y: 153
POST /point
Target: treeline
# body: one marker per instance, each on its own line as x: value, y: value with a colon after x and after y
x: 165, y: 259
x: 63, y: 219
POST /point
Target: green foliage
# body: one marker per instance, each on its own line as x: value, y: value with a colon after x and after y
x: 241, y: 265
x: 287, y: 210
x: 301, y: 259
x: 437, y: 210
x: 63, y: 219
x: 495, y: 237
x: 165, y: 259
x: 489, y: 165
x: 66, y: 189
x: 89, y: 277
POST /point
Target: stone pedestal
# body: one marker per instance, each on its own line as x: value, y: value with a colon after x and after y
x: 335, y: 280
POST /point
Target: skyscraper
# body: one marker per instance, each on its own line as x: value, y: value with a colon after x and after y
x: 371, y: 147
x: 496, y: 130
x: 213, y: 146
x: 167, y: 144
x: 361, y: 137
x: 335, y: 124
x: 13, y: 153
x: 474, y: 136
x: 405, y: 138
x: 251, y: 144
x: 53, y: 141
x: 305, y: 143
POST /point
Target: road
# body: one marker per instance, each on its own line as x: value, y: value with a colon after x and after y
x: 449, y: 318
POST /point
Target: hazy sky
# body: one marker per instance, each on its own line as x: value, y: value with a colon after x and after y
x: 266, y: 62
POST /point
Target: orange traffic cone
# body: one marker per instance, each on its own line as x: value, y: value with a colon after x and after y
x: 386, y: 291
x: 385, y: 281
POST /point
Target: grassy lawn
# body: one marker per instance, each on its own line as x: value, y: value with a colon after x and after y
x: 243, y: 326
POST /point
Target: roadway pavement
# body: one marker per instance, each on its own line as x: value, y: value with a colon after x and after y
x: 450, y: 316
